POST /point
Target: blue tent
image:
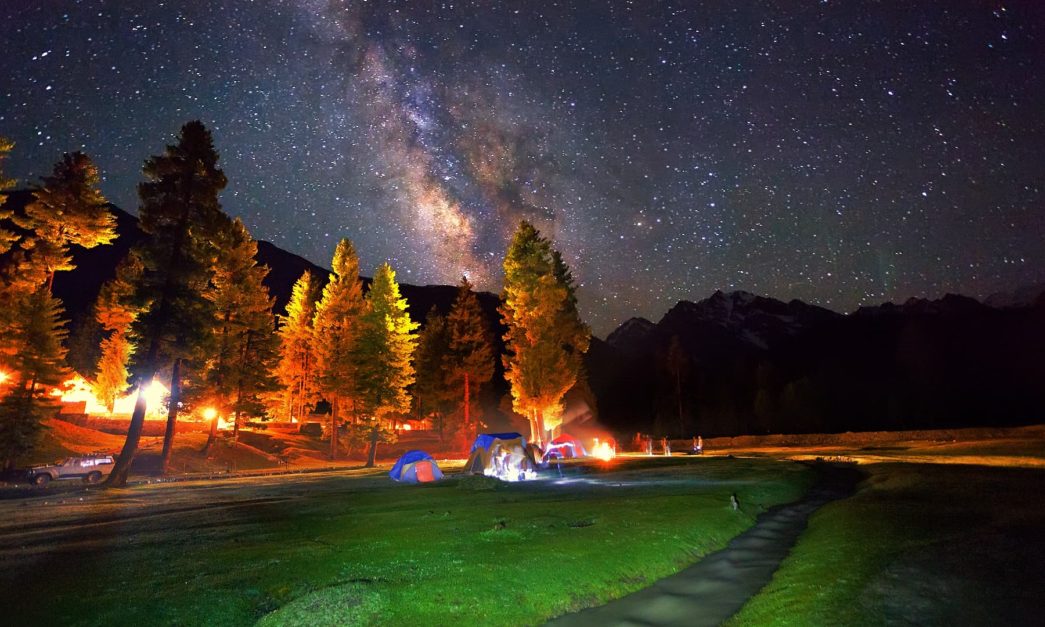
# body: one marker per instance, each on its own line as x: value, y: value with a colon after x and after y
x: 484, y: 440
x: 416, y: 467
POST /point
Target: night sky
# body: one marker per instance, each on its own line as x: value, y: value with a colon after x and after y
x: 843, y: 153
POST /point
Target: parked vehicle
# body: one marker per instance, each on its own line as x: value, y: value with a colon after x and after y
x: 89, y: 468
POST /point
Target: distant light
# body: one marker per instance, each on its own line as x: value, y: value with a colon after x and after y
x: 3, y: 377
x: 210, y: 413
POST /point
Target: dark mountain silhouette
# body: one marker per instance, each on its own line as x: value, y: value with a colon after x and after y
x: 752, y: 364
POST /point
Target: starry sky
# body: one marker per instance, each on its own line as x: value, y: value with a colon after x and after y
x: 839, y: 152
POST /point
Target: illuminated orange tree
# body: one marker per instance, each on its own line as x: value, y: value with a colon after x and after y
x: 114, y: 312
x: 295, y: 370
x: 68, y: 210
x: 7, y: 237
x: 336, y: 331
x: 384, y: 358
x: 546, y: 339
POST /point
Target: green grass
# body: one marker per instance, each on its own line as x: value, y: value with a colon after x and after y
x: 344, y: 550
x: 920, y: 544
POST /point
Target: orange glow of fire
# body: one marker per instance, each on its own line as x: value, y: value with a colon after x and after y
x: 603, y: 451
x: 77, y: 390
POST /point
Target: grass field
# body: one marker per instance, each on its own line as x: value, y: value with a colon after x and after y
x: 922, y: 544
x: 337, y: 548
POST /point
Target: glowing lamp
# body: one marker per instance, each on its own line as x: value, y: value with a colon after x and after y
x: 210, y: 413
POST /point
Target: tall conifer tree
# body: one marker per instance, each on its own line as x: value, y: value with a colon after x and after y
x: 295, y: 371
x: 38, y: 363
x: 335, y: 333
x: 179, y: 214
x: 115, y: 313
x: 470, y: 359
x: 545, y: 340
x: 432, y: 390
x: 7, y: 237
x: 68, y: 210
x: 244, y: 347
x: 384, y: 358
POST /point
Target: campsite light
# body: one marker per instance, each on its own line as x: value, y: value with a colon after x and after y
x: 3, y: 377
x: 210, y: 413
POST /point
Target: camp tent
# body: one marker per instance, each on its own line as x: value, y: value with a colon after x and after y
x: 502, y: 455
x: 416, y: 467
x: 565, y: 447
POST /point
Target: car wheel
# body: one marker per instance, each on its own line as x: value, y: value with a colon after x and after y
x: 93, y: 477
x: 42, y: 479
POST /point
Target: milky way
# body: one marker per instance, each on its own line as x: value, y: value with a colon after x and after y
x: 844, y: 153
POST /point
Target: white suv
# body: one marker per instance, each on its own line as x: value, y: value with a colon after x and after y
x: 90, y: 468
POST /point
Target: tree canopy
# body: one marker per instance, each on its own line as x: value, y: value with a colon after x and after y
x: 546, y: 339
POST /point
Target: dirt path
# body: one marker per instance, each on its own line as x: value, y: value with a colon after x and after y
x: 715, y: 588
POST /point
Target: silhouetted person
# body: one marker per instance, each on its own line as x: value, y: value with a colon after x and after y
x: 734, y: 501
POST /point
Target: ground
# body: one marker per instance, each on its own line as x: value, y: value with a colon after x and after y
x: 350, y: 545
x: 944, y: 529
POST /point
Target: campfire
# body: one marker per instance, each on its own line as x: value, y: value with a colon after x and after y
x: 603, y: 450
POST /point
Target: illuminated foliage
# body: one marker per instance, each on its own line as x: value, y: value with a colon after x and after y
x: 546, y: 338
x: 7, y: 237
x: 335, y: 334
x: 384, y: 356
x: 68, y: 210
x: 386, y: 348
x: 114, y: 312
x: 295, y: 370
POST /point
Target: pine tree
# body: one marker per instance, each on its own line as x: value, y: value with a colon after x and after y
x: 37, y: 365
x: 179, y: 215
x: 7, y: 237
x: 470, y: 359
x: 114, y: 312
x: 384, y: 357
x: 335, y: 333
x: 68, y: 210
x: 546, y: 339
x: 433, y: 391
x: 244, y: 347
x: 295, y: 371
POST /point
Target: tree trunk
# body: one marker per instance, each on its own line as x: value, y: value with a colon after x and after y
x: 213, y: 435
x: 678, y: 396
x: 371, y: 455
x: 467, y: 407
x: 172, y: 418
x: 118, y: 476
x: 333, y: 429
x: 541, y: 435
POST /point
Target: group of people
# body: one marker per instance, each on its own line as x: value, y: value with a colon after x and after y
x: 643, y: 442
